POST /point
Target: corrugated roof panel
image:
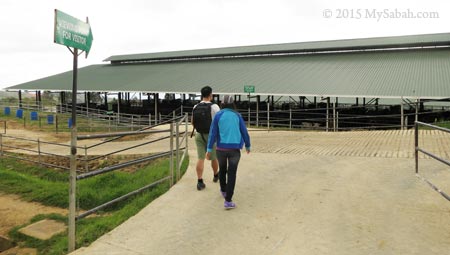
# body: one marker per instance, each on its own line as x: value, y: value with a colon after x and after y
x: 412, y: 73
x: 332, y: 45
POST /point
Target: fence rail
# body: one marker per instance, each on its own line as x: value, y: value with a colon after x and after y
x: 334, y: 117
x: 33, y: 148
x: 418, y: 149
x: 173, y: 132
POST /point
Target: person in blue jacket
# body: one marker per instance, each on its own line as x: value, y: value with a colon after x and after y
x: 229, y: 133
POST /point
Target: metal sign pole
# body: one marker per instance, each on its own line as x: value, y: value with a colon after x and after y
x: 73, y: 156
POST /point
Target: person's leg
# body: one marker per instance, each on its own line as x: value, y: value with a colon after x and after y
x: 215, y: 164
x: 199, y: 168
x: 222, y: 162
x: 201, y: 145
x: 233, y: 161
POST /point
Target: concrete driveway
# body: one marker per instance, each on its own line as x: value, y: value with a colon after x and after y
x: 303, y: 193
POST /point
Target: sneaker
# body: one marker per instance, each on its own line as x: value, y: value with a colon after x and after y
x: 216, y: 178
x: 200, y: 185
x: 229, y: 205
x: 224, y: 194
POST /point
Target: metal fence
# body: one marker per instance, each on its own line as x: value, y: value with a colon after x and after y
x: 341, y: 118
x: 89, y: 120
x: 177, y: 142
x: 417, y: 150
x: 30, y: 150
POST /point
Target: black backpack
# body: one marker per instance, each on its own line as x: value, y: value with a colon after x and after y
x: 202, y: 117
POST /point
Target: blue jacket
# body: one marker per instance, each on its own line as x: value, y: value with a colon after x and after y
x: 228, y: 130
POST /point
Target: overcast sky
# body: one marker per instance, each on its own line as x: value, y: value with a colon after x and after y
x: 27, y: 50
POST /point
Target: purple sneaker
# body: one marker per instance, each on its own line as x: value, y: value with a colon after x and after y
x: 224, y: 194
x: 229, y: 205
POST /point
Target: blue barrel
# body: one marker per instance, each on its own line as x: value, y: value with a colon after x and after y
x: 34, y: 116
x: 50, y: 119
x: 19, y: 113
x: 69, y: 122
x: 7, y: 111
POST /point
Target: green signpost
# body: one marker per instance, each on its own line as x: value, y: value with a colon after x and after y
x: 72, y: 32
x: 249, y: 89
x: 77, y: 34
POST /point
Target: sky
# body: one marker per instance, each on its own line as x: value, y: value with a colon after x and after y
x: 28, y: 52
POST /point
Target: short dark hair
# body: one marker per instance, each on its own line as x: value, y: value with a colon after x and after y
x: 206, y: 91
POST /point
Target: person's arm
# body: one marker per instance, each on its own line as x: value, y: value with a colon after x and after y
x: 213, y: 131
x: 244, y: 133
x: 214, y: 109
x: 192, y: 122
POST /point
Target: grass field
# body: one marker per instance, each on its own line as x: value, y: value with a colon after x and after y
x: 50, y: 187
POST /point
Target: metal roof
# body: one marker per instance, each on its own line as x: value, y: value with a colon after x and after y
x: 414, y: 73
x: 425, y: 40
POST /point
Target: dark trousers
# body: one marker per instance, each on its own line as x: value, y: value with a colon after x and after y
x: 228, y: 164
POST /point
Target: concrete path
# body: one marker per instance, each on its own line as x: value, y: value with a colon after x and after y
x: 303, y: 193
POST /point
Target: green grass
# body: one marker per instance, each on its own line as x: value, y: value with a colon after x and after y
x: 443, y: 124
x: 50, y: 187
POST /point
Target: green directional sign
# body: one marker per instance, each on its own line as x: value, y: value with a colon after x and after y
x: 249, y: 89
x: 72, y: 32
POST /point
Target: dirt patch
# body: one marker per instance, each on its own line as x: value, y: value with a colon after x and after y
x: 14, y: 212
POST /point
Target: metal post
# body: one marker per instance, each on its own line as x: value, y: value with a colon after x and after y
x: 86, y: 98
x: 20, y: 99
x: 149, y: 119
x: 171, y: 154
x: 257, y: 110
x: 334, y: 116
x: 268, y: 116
x: 417, y: 109
x: 118, y: 111
x: 156, y: 98
x: 39, y: 151
x: 416, y: 144
x: 177, y: 146
x: 73, y: 157
x: 402, y: 117
x: 327, y: 118
x: 248, y: 110
x: 1, y: 145
x: 337, y: 121
x: 290, y: 117
x: 186, y: 121
x: 132, y: 119
x: 86, y: 165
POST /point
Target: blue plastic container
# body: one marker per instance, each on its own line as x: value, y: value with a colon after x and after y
x: 34, y: 116
x: 50, y: 119
x: 7, y: 111
x: 19, y: 113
